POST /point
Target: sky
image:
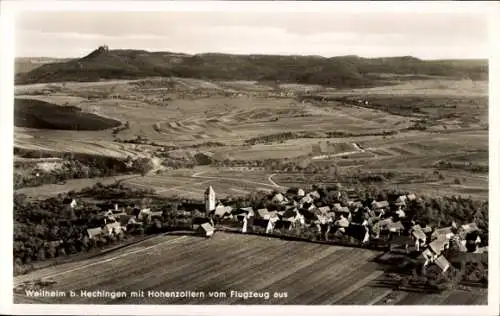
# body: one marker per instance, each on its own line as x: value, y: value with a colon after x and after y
x: 436, y: 35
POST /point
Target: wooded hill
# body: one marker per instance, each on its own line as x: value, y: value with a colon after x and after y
x: 343, y: 71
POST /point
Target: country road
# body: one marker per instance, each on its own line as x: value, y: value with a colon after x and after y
x: 271, y: 184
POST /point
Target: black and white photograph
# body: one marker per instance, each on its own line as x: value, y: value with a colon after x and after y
x: 302, y: 155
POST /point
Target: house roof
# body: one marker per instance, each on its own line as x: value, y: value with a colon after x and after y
x: 263, y: 212
x: 401, y: 199
x: 442, y: 263
x: 290, y: 213
x: 157, y: 213
x: 427, y: 254
x: 223, y: 210
x: 324, y: 209
x: 395, y: 226
x: 437, y: 245
x: 92, y: 232
x: 380, y: 204
x: 468, y: 228
x: 400, y: 213
x: 411, y: 197
x: 279, y: 197
x: 337, y: 206
x: 207, y: 227
x: 342, y: 222
x: 444, y: 232
x: 418, y: 234
x: 314, y: 194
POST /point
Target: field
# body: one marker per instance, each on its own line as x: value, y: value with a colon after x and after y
x: 228, y: 262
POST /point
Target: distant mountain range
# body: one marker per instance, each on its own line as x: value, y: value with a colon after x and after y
x: 343, y: 71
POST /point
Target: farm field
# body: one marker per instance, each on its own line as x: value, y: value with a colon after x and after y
x: 219, y: 264
x: 334, y: 275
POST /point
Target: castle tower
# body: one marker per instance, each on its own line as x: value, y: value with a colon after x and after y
x: 209, y: 199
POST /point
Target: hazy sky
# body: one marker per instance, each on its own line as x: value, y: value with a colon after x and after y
x: 423, y: 35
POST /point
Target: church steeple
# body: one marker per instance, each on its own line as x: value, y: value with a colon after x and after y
x: 209, y: 199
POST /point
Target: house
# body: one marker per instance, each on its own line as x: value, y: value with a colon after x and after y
x: 157, y: 214
x: 113, y: 229
x: 280, y: 198
x: 438, y: 245
x: 263, y: 213
x: 418, y: 236
x: 315, y: 195
x: 442, y: 263
x: 445, y: 232
x: 222, y: 211
x: 301, y: 193
x: 337, y: 207
x: 144, y: 214
x: 355, y: 204
x: 400, y: 213
x: 270, y: 224
x: 206, y: 229
x: 401, y: 200
x: 391, y: 226
x: 342, y: 223
x: 94, y: 232
x: 241, y: 213
x: 379, y: 205
x: 458, y: 243
x: 306, y: 199
x: 466, y: 229
x: 73, y: 203
x: 411, y: 197
x: 324, y: 210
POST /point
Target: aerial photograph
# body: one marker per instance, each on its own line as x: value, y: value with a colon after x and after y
x: 250, y: 158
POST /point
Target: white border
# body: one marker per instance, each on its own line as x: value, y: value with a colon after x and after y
x: 7, y: 12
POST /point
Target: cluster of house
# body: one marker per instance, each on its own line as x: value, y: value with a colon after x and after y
x: 379, y: 222
x: 117, y: 220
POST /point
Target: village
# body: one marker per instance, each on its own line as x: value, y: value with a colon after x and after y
x: 381, y: 224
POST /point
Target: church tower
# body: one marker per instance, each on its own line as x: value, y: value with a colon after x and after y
x: 209, y: 199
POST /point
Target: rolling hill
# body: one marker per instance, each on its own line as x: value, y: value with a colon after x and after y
x: 343, y: 71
